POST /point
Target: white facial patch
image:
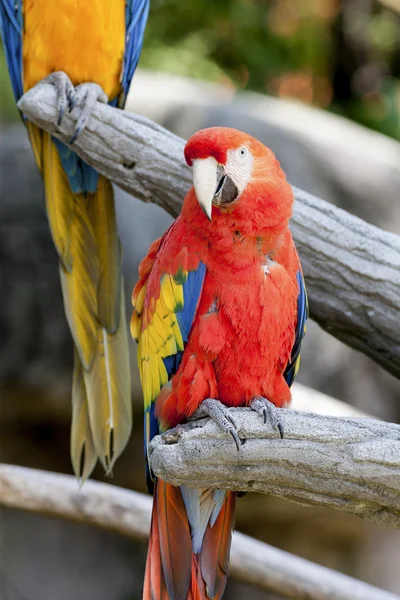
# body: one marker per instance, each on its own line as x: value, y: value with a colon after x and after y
x: 239, y: 166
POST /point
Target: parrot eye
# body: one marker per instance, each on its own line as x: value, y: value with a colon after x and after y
x: 242, y: 152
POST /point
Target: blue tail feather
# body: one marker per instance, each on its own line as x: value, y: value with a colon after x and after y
x: 82, y: 177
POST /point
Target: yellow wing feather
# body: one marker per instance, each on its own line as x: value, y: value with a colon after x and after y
x: 139, y: 302
x: 160, y: 338
x: 136, y: 324
x: 167, y: 293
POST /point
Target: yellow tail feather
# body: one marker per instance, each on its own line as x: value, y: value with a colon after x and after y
x: 59, y: 200
x: 83, y: 453
x: 101, y: 212
x: 80, y: 285
x: 83, y: 228
x: 108, y: 391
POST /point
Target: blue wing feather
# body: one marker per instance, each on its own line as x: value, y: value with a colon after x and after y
x: 11, y: 32
x: 191, y: 293
x: 136, y: 13
x: 154, y: 430
x: 302, y: 315
x: 172, y: 363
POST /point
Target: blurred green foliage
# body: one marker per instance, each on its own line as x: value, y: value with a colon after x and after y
x: 8, y: 110
x: 342, y: 55
x: 249, y: 40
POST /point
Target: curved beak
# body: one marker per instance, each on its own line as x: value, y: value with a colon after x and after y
x: 205, y: 182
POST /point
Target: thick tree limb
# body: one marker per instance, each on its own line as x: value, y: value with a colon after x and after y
x: 128, y: 513
x: 352, y: 269
x: 345, y: 463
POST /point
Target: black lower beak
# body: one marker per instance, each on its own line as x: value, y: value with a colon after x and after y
x: 226, y: 191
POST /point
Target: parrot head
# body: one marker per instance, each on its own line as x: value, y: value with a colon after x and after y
x: 238, y: 176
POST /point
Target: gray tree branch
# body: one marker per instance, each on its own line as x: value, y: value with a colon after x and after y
x: 352, y: 269
x: 344, y: 463
x: 128, y: 513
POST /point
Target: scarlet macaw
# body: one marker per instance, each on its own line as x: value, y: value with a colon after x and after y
x: 219, y: 314
x: 97, y: 44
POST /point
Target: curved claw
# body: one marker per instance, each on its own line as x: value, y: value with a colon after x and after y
x: 71, y: 95
x: 230, y: 418
x: 61, y: 112
x: 221, y: 415
x: 236, y: 438
x: 65, y: 92
x: 268, y: 411
x: 265, y: 413
x: 87, y: 94
x: 75, y: 135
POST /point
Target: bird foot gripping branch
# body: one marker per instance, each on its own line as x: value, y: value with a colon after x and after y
x: 84, y: 96
x: 222, y: 416
x: 219, y: 312
x: 65, y: 92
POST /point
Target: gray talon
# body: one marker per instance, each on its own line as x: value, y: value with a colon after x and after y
x: 65, y: 92
x: 268, y: 411
x: 236, y: 438
x: 71, y: 95
x: 86, y: 96
x: 231, y: 419
x: 60, y: 115
x: 221, y: 415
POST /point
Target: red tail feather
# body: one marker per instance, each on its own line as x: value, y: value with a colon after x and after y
x: 197, y: 590
x: 215, y: 550
x: 154, y: 582
x: 172, y: 571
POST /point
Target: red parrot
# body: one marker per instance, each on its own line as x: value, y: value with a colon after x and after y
x: 219, y: 314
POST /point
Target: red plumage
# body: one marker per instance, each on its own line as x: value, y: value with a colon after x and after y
x: 240, y: 351
x: 242, y: 335
x: 170, y: 562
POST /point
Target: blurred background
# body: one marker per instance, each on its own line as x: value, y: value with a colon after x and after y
x: 319, y: 82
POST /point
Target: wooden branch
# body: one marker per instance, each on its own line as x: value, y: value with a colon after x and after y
x: 352, y: 269
x: 128, y: 513
x: 345, y: 463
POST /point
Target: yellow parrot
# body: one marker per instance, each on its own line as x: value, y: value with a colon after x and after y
x: 89, y: 51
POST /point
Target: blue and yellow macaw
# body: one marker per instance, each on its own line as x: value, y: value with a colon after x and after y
x: 95, y: 46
